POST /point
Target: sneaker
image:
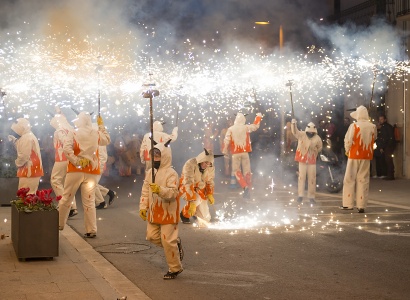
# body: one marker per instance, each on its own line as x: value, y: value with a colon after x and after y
x: 346, y: 208
x: 172, y: 275
x: 300, y: 199
x: 312, y: 201
x: 183, y: 219
x: 181, y: 251
x: 112, y: 195
x: 90, y: 235
x: 360, y: 210
x: 101, y: 205
x: 72, y: 213
x: 246, y: 194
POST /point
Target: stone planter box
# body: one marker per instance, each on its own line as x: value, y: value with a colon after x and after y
x: 35, y: 234
x: 8, y: 188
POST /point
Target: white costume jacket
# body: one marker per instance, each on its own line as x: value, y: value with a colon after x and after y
x: 159, y: 137
x: 28, y: 160
x: 83, y: 143
x: 308, y: 148
x: 162, y: 208
x: 237, y: 138
x: 194, y: 182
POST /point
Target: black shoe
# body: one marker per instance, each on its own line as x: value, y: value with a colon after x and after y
x: 246, y: 194
x: 101, y: 205
x: 360, y: 210
x: 112, y: 195
x: 346, y: 208
x: 300, y: 199
x: 312, y: 201
x: 72, y: 213
x: 90, y: 235
x: 181, y: 251
x: 172, y: 275
x: 183, y: 219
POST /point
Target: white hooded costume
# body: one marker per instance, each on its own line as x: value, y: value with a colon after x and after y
x: 163, y: 208
x: 237, y: 140
x: 359, y: 140
x: 59, y: 171
x: 195, y: 186
x: 159, y: 137
x: 28, y: 162
x: 80, y: 144
x: 306, y: 154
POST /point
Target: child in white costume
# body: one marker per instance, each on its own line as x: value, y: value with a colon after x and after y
x: 196, y: 186
x: 28, y: 162
x: 309, y: 146
x: 237, y: 140
x: 59, y: 171
x: 159, y: 206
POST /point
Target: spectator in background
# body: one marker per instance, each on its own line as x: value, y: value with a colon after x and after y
x: 121, y: 145
x: 385, y: 143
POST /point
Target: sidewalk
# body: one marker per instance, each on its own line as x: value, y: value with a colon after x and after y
x: 79, y: 272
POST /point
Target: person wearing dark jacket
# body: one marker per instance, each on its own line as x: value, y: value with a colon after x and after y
x: 385, y: 143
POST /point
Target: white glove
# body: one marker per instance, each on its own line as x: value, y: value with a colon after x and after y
x: 259, y: 114
x: 12, y: 139
x: 142, y: 161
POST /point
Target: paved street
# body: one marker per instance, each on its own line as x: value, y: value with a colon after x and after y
x: 269, y: 248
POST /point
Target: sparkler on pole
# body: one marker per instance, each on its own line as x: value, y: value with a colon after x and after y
x: 374, y: 81
x: 289, y: 84
x: 98, y: 69
x: 151, y: 93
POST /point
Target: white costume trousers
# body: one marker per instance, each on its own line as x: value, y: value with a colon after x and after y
x: 308, y: 170
x: 202, y: 209
x: 88, y: 183
x: 100, y: 192
x: 29, y: 182
x: 58, y: 174
x: 165, y: 236
x: 241, y: 159
x: 356, y: 183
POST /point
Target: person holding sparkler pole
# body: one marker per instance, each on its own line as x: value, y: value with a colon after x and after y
x: 159, y: 205
x: 309, y: 146
x: 196, y: 186
x: 359, y: 141
x: 81, y: 149
x: 28, y: 161
x: 237, y: 140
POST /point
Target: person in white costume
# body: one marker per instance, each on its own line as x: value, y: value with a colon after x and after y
x: 102, y: 191
x: 237, y: 140
x: 359, y: 141
x: 159, y: 206
x: 309, y: 146
x: 196, y: 186
x: 159, y: 137
x: 59, y: 171
x: 28, y: 161
x: 81, y: 149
